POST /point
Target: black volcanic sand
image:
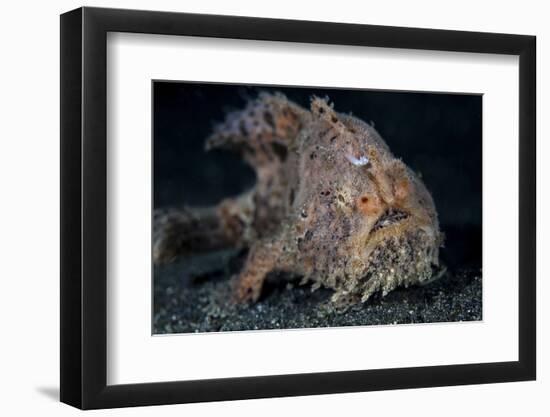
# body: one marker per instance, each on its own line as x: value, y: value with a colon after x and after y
x: 194, y: 295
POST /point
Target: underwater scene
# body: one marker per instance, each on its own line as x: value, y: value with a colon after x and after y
x: 279, y: 207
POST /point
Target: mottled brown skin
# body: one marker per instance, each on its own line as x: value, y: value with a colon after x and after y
x: 331, y: 204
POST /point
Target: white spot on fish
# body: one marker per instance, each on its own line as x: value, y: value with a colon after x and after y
x: 361, y: 161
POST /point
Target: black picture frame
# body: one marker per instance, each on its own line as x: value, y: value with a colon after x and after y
x: 84, y: 207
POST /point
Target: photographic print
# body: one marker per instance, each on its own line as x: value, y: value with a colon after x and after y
x: 308, y: 192
x: 279, y: 207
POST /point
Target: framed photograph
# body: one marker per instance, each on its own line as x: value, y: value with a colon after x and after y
x: 257, y: 208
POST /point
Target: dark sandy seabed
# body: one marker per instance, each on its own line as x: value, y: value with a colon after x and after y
x: 194, y: 295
